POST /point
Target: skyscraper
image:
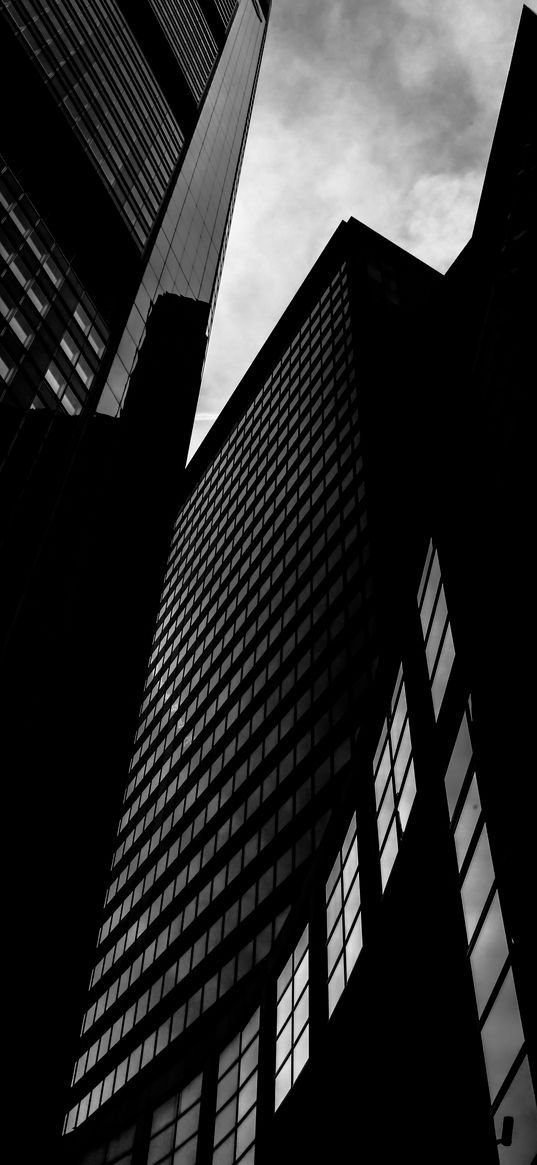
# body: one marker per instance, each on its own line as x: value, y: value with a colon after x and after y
x: 120, y: 161
x: 122, y: 158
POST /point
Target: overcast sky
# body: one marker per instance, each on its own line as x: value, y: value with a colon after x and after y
x: 380, y: 109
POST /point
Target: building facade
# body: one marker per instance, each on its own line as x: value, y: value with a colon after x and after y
x: 310, y: 921
x: 120, y: 158
x: 124, y: 156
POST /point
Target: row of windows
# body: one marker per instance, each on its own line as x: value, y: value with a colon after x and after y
x: 439, y: 647
x: 264, y: 502
x: 289, y: 598
x: 502, y: 1036
x: 297, y: 399
x: 297, y: 501
x: 191, y: 39
x: 282, y: 609
x: 323, y: 614
x: 292, y: 1019
x: 247, y: 770
x: 270, y: 736
x: 243, y: 722
x: 247, y: 852
x: 42, y: 298
x: 395, y: 783
x: 236, y: 1098
x: 488, y: 949
x: 230, y: 974
x: 260, y: 889
x: 104, y: 86
x: 308, y: 552
x: 296, y: 404
x: 276, y: 511
x: 174, y: 1128
x: 343, y: 916
x: 226, y: 9
x: 230, y: 461
x: 320, y: 728
x: 299, y: 669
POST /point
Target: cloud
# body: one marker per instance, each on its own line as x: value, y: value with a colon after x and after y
x: 380, y: 109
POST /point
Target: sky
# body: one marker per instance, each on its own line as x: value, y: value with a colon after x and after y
x: 380, y: 109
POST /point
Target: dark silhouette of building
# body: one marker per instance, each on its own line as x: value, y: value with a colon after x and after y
x: 120, y: 161
x: 317, y: 934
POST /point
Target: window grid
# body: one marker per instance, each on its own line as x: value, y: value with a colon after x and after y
x: 236, y: 913
x: 292, y: 1019
x: 314, y: 406
x: 395, y: 782
x: 236, y: 1098
x: 343, y: 916
x: 488, y: 947
x: 112, y: 100
x: 174, y: 1127
x: 221, y: 982
x: 36, y: 277
x: 439, y: 646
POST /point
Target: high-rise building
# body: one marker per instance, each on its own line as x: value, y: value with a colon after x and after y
x: 120, y: 158
x: 120, y: 172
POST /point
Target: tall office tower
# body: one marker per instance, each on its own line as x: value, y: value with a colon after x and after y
x: 309, y: 922
x: 261, y: 685
x: 120, y: 173
x: 118, y: 182
x: 123, y: 130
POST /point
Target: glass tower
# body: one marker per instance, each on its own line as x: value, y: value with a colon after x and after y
x: 145, y: 109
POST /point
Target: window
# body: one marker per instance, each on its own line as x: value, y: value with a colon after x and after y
x: 344, y: 924
x: 292, y: 1019
x: 439, y: 647
x: 488, y: 949
x: 236, y: 1098
x: 174, y: 1128
x: 395, y: 784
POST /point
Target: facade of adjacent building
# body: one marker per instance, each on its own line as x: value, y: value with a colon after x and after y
x: 123, y: 131
x: 118, y: 181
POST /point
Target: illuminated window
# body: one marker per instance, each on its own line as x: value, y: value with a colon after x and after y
x: 70, y: 347
x: 292, y: 1020
x: 344, y: 924
x: 21, y: 328
x: 56, y: 379
x: 439, y: 647
x: 236, y: 1098
x: 395, y: 783
x: 174, y: 1128
x: 488, y: 949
